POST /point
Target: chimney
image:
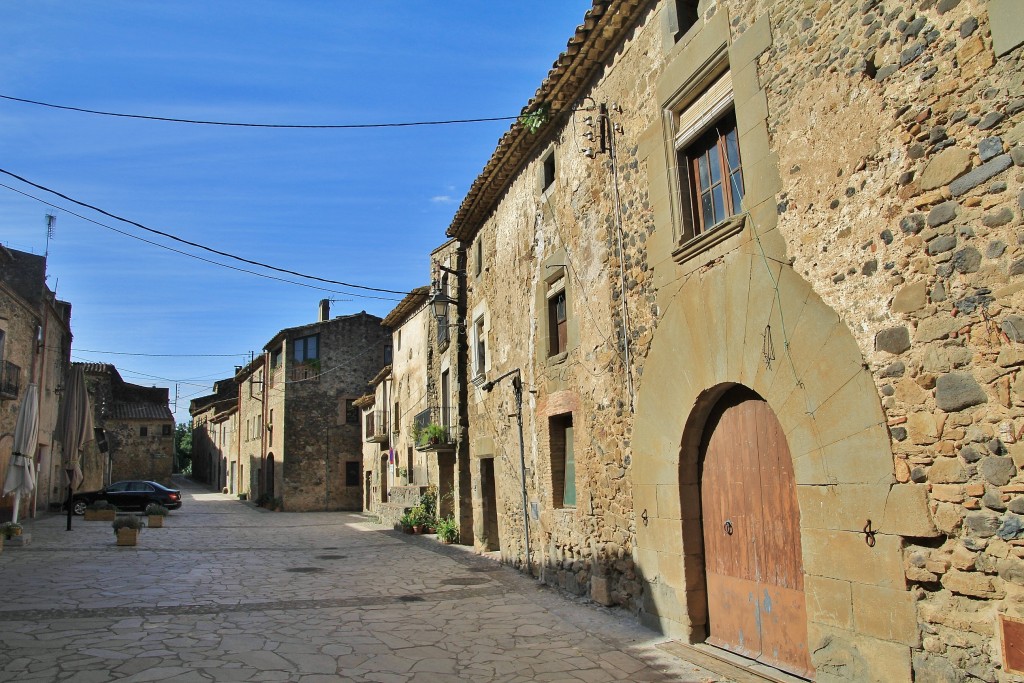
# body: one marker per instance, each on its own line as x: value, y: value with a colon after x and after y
x: 325, y: 310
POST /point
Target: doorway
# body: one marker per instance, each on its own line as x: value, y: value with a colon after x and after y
x: 490, y: 539
x: 751, y: 532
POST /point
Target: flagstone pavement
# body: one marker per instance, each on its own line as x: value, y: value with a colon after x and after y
x: 229, y: 592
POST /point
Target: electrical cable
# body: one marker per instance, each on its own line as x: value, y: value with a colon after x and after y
x: 196, y: 244
x: 166, y: 355
x: 293, y: 126
x: 196, y: 256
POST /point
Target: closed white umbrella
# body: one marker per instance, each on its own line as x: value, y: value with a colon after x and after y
x: 21, y: 476
x: 74, y: 429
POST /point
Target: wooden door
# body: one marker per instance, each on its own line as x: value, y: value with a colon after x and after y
x: 751, y: 522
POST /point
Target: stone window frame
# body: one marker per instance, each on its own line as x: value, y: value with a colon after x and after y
x: 479, y: 348
x: 547, y: 172
x: 144, y: 430
x: 709, y: 50
x: 680, y: 17
x: 166, y: 430
x: 556, y: 279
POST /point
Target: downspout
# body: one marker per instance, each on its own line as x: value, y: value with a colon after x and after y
x: 612, y: 129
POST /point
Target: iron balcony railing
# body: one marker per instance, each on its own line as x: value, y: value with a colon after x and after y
x: 10, y: 380
x: 376, y: 426
x: 432, y: 429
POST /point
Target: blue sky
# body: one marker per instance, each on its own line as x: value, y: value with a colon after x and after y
x: 362, y: 206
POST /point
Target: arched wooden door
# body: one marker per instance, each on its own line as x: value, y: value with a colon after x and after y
x: 751, y: 524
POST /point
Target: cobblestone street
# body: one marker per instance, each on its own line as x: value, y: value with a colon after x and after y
x: 230, y: 592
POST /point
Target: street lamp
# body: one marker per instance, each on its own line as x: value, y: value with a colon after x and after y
x: 517, y: 392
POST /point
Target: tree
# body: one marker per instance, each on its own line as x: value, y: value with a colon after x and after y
x: 183, y: 447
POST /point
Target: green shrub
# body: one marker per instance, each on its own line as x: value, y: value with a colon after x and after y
x: 127, y: 522
x: 156, y: 510
x: 448, y: 529
x: 406, y: 520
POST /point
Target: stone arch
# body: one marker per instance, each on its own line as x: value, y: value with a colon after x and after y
x: 719, y: 330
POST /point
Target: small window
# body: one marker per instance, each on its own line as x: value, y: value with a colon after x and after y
x: 478, y: 264
x: 143, y: 431
x: 548, y: 172
x: 388, y: 352
x: 479, y: 348
x: 167, y: 430
x: 352, y: 473
x: 396, y: 419
x: 275, y: 358
x: 563, y: 461
x: 351, y: 412
x: 306, y: 348
x: 558, y: 327
x: 409, y: 466
x: 398, y: 340
x: 686, y: 16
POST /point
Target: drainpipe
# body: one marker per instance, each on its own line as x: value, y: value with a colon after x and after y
x: 517, y: 392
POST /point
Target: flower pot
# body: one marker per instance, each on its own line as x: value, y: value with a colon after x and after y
x: 127, y: 536
x: 14, y: 532
x: 418, y: 528
x: 154, y: 521
x: 407, y: 529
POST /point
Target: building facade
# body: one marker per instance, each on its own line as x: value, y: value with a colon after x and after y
x: 35, y: 348
x: 749, y: 275
x: 137, y: 424
x: 312, y: 450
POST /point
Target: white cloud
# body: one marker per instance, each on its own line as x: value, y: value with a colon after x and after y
x: 442, y: 199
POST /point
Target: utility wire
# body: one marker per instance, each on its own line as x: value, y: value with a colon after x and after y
x: 294, y: 126
x: 195, y: 256
x: 196, y: 244
x: 166, y: 355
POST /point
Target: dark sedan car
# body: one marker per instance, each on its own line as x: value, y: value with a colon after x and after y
x: 129, y: 495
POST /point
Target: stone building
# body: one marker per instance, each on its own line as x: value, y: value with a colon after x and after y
x: 137, y: 424
x: 312, y: 450
x: 215, y: 436
x: 758, y: 268
x: 378, y: 456
x: 250, y: 426
x: 35, y: 348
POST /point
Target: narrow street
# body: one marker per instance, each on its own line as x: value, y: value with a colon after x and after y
x: 230, y: 592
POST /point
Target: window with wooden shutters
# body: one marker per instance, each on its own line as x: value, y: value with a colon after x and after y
x: 563, y: 461
x: 558, y: 327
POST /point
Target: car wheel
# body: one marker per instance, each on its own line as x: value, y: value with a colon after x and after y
x: 79, y: 507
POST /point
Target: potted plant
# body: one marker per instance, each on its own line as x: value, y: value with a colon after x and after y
x: 401, y: 472
x: 243, y: 496
x: 433, y: 434
x: 127, y: 529
x: 405, y: 521
x: 447, y: 530
x: 11, y: 529
x: 100, y: 511
x: 155, y: 515
x: 420, y: 519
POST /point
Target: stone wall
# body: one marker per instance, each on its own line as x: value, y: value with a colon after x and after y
x: 318, y: 440
x: 882, y: 154
x: 133, y: 456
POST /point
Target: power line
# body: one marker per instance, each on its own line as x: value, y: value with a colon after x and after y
x: 294, y: 126
x: 166, y: 355
x: 196, y: 244
x: 195, y: 256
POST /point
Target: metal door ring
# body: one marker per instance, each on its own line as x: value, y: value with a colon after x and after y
x: 728, y: 527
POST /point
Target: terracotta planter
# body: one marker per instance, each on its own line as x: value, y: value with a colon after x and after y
x: 100, y: 515
x: 126, y: 536
x: 407, y: 529
x: 154, y: 521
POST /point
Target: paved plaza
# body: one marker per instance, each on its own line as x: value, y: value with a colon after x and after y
x: 230, y: 592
